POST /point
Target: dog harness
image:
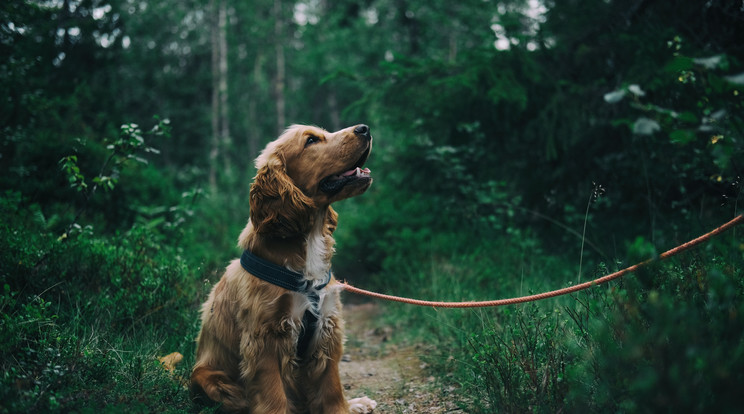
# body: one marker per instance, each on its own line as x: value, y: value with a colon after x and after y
x: 296, y: 282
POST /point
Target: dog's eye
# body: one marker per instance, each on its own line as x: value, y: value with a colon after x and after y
x: 312, y: 139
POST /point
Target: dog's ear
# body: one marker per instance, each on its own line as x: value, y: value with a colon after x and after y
x: 278, y: 208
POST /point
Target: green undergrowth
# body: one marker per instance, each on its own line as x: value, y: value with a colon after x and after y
x: 84, y: 318
x: 668, y: 338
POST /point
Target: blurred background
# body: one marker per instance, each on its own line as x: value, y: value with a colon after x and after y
x: 520, y: 145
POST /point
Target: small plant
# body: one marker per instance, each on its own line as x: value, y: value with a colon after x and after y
x: 128, y: 146
x: 83, y: 318
x: 597, y: 191
x: 519, y: 364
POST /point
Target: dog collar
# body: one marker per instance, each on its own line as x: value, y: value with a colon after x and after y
x: 296, y: 282
x: 278, y: 275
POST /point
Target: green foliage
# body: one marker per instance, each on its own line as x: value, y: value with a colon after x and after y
x: 89, y: 314
x: 58, y: 363
x: 670, y: 343
x: 69, y: 166
x: 86, y: 315
x: 521, y: 363
x: 129, y: 146
x: 666, y: 338
x: 492, y: 123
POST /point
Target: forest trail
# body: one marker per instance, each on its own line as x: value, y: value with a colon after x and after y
x: 393, y: 375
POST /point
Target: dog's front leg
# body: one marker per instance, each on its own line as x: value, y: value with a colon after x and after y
x: 328, y: 395
x: 262, y: 368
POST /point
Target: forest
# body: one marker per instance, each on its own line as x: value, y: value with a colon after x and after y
x: 520, y: 146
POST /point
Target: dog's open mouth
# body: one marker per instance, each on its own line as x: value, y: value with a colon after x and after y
x: 357, y: 173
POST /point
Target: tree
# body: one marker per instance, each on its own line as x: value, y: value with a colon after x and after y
x: 219, y: 158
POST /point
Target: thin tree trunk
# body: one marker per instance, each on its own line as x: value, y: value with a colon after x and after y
x: 254, y: 138
x: 279, y: 82
x: 215, y: 142
x: 225, y: 138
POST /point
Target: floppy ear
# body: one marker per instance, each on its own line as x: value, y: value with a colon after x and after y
x: 278, y: 208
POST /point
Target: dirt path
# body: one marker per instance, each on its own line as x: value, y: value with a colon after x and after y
x: 392, y: 375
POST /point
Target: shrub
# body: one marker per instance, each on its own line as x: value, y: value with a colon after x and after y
x: 84, y: 316
x: 666, y: 339
x: 518, y: 364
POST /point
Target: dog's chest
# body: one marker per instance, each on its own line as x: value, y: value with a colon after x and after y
x: 315, y: 324
x: 323, y: 308
x: 318, y: 251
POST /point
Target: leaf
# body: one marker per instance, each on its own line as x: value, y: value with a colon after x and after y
x: 636, y: 90
x: 737, y: 79
x: 615, y: 96
x: 645, y: 126
x: 688, y: 116
x: 682, y: 136
x: 711, y: 62
x: 679, y: 64
x: 621, y: 122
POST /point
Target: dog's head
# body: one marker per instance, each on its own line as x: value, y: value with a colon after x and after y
x: 304, y: 170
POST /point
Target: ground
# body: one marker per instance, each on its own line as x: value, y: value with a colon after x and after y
x: 391, y: 374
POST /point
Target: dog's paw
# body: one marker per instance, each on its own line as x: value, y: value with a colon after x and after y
x: 361, y: 405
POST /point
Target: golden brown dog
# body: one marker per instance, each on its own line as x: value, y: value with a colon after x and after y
x: 254, y: 353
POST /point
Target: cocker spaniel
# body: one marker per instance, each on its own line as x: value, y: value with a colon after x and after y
x: 272, y: 335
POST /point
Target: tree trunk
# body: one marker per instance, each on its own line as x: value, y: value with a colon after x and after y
x: 254, y: 135
x: 225, y: 138
x: 279, y: 81
x: 215, y: 141
x: 219, y: 155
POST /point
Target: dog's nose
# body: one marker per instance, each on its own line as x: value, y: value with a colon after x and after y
x: 362, y: 130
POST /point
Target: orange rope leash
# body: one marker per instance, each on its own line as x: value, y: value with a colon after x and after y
x: 501, y: 302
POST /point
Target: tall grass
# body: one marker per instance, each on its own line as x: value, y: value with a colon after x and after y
x: 668, y: 338
x: 85, y: 318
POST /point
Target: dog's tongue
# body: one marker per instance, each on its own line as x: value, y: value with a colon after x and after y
x: 356, y: 171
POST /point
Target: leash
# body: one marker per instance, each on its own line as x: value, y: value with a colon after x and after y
x: 571, y: 289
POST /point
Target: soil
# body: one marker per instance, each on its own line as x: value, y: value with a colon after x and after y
x: 391, y: 374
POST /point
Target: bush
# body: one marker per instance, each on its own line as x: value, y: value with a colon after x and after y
x: 666, y: 339
x: 84, y: 317
x: 519, y: 366
x: 669, y: 340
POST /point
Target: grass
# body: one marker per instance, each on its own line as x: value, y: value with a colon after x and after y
x: 84, y: 319
x: 668, y: 338
x: 54, y: 363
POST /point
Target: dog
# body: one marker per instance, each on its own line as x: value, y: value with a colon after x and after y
x: 271, y: 343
